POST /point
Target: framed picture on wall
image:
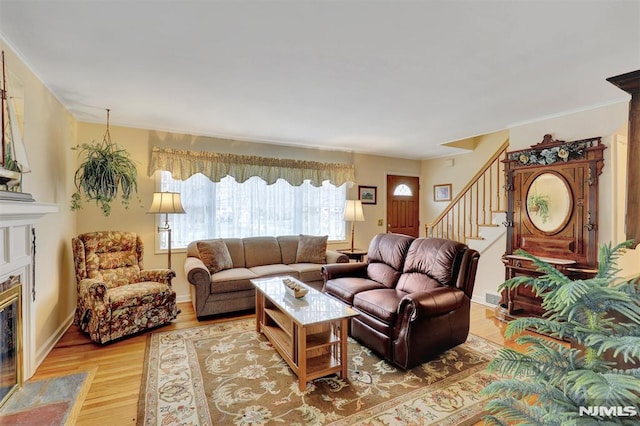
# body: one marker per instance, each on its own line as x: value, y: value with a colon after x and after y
x: 442, y: 192
x: 368, y: 194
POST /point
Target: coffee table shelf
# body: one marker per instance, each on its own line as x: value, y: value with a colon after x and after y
x: 281, y: 320
x: 309, y: 333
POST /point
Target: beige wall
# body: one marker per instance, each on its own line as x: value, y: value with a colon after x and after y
x: 456, y: 170
x: 372, y: 170
x: 49, y: 132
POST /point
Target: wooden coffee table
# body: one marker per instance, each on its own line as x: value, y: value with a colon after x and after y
x: 309, y: 333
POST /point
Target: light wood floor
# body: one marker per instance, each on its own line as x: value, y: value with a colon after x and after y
x: 113, y: 396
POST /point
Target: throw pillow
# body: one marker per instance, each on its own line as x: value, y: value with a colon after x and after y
x: 215, y: 255
x: 312, y: 249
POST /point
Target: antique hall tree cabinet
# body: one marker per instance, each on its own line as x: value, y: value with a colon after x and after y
x: 552, y: 213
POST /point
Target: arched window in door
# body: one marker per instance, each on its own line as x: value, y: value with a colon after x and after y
x: 402, y: 190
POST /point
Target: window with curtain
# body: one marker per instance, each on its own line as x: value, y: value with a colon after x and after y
x: 253, y: 208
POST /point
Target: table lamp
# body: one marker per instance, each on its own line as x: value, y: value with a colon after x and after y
x: 353, y: 213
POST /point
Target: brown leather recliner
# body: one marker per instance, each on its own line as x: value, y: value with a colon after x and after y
x: 413, y: 296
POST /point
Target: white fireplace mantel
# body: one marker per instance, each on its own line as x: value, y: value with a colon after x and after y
x: 17, y: 219
x: 18, y: 210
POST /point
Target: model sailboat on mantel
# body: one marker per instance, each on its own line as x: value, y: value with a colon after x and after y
x: 14, y: 161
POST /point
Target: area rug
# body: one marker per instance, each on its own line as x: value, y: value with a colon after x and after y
x: 227, y: 373
x: 52, y: 401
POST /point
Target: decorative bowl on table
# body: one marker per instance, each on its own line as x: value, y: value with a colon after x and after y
x: 294, y: 288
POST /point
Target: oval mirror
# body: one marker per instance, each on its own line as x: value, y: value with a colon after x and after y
x: 548, y: 202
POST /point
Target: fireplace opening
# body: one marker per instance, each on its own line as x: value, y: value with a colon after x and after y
x: 10, y: 338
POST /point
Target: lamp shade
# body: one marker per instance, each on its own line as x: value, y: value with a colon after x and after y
x: 166, y: 202
x: 353, y: 211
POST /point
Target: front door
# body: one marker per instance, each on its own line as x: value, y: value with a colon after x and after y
x: 403, y: 205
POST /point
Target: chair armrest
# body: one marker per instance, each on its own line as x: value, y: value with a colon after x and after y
x: 158, y: 275
x: 96, y: 289
x: 431, y: 303
x: 334, y: 256
x: 197, y: 273
x: 338, y: 270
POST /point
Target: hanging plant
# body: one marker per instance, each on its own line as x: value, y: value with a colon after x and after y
x: 539, y: 204
x: 106, y: 171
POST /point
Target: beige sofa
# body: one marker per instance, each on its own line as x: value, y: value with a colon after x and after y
x: 219, y: 270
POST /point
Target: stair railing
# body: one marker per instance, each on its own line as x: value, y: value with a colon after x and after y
x: 475, y: 203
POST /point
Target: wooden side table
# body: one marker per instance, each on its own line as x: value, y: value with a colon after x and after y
x: 355, y: 254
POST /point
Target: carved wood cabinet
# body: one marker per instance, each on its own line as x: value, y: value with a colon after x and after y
x: 552, y: 213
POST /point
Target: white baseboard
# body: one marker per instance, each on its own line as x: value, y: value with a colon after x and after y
x: 183, y: 298
x: 43, y: 351
x: 482, y: 301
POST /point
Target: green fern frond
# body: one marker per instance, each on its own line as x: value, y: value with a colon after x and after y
x: 513, y: 388
x: 514, y: 410
x: 514, y: 282
x: 543, y: 325
x: 512, y: 363
x: 566, y: 295
x: 551, y: 276
x: 635, y: 372
x: 494, y: 421
x: 628, y: 346
x: 608, y: 257
x: 630, y: 286
x: 609, y: 389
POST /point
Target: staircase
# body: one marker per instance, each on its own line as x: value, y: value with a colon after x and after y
x: 475, y: 215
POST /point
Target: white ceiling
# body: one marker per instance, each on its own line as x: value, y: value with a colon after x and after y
x: 397, y: 78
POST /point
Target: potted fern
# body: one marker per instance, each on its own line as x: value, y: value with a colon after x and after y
x: 554, y: 384
x: 107, y: 170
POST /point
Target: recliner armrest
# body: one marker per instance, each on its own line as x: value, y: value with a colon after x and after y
x: 197, y: 273
x: 94, y: 288
x: 161, y: 275
x: 338, y: 270
x: 431, y: 303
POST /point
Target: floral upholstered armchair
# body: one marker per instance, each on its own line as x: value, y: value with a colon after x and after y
x: 116, y: 297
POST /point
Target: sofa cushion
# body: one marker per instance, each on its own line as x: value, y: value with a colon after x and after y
x: 312, y: 249
x: 307, y: 272
x: 215, y: 255
x: 273, y: 270
x: 430, y: 262
x: 390, y: 249
x: 236, y: 250
x: 381, y: 304
x: 412, y: 282
x: 346, y: 288
x: 260, y: 251
x: 230, y: 280
x: 288, y: 248
x: 386, y: 258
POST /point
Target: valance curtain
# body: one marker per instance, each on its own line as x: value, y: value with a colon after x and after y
x: 183, y: 164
